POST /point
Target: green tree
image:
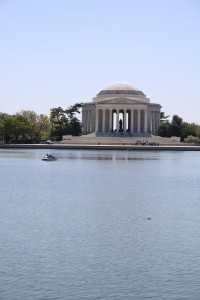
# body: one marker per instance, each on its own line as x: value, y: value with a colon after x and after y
x: 40, y: 126
x: 75, y: 124
x: 198, y: 131
x: 6, y: 127
x: 43, y: 127
x: 26, y: 125
x: 59, y: 122
x: 21, y: 126
x: 163, y: 118
x: 177, y: 126
x: 164, y: 129
x: 2, y: 127
x: 189, y: 129
x: 73, y: 110
x: 65, y: 121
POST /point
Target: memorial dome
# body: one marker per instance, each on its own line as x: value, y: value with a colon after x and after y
x: 120, y: 88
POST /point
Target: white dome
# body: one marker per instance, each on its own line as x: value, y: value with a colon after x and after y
x: 120, y: 88
x: 116, y: 86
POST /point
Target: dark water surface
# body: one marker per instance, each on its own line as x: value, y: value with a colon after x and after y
x: 78, y: 228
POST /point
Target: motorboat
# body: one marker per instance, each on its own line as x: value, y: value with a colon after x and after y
x: 49, y: 157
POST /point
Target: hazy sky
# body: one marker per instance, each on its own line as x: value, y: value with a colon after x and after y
x: 59, y: 52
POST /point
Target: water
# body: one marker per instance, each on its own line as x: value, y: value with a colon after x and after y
x: 78, y: 228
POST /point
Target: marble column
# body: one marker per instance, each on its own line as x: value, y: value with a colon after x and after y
x: 110, y: 120
x: 103, y: 120
x: 145, y: 121
x: 83, y: 120
x: 117, y: 120
x: 88, y: 121
x: 153, y: 121
x: 157, y: 120
x: 132, y: 123
x: 124, y: 125
x: 97, y: 118
x: 138, y: 129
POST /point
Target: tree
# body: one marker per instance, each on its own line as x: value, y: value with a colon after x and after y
x: 163, y: 118
x: 21, y: 126
x: 198, y: 131
x: 177, y: 127
x: 65, y: 121
x: 75, y: 127
x: 26, y: 125
x: 164, y: 129
x: 40, y: 125
x: 6, y: 127
x: 189, y: 129
x: 2, y: 126
x: 43, y: 127
x: 75, y: 124
x: 72, y: 110
x: 59, y: 122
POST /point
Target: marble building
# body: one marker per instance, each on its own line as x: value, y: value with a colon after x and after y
x: 120, y: 109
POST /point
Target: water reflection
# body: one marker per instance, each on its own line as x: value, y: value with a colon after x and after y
x: 95, y: 155
x: 99, y: 157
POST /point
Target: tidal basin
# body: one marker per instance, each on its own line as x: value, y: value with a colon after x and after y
x: 99, y: 225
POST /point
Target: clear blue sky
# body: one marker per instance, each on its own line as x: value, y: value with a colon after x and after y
x: 59, y: 52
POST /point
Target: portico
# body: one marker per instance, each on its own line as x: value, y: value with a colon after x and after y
x: 120, y: 109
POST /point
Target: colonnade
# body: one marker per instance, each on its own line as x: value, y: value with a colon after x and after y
x: 88, y: 120
x: 154, y: 121
x: 121, y: 120
x: 132, y: 120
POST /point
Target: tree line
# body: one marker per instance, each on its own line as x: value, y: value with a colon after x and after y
x: 189, y: 132
x: 28, y: 127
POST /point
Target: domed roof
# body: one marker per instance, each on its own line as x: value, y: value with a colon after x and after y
x: 120, y: 88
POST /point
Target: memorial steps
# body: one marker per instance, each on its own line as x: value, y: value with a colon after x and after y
x: 92, y: 139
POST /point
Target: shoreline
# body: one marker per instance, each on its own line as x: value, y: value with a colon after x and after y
x: 103, y: 147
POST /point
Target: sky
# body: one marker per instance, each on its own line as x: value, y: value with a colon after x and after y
x: 59, y: 52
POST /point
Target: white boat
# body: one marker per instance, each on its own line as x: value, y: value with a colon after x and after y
x: 48, y: 157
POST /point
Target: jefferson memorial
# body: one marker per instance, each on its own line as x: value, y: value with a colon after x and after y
x: 120, y: 109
